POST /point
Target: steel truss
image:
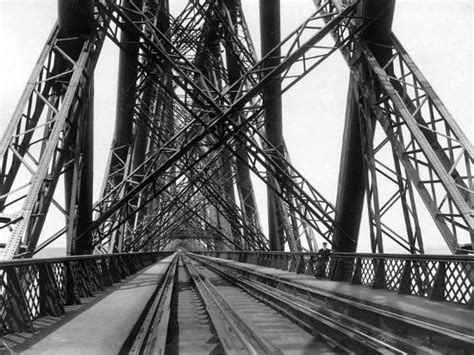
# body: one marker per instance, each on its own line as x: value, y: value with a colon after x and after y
x: 295, y: 54
x: 198, y: 121
x: 436, y: 155
x: 43, y: 128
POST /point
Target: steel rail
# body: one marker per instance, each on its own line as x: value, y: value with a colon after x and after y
x: 352, y: 306
x: 229, y: 326
x: 329, y: 326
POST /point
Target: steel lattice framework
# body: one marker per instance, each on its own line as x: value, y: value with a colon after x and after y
x: 198, y: 113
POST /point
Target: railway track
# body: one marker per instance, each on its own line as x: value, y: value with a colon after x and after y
x: 203, y: 307
x: 197, y: 311
x: 360, y: 327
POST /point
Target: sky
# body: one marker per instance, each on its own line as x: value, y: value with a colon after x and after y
x: 437, y: 34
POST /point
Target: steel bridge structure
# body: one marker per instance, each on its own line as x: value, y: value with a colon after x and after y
x: 199, y: 117
x: 198, y: 112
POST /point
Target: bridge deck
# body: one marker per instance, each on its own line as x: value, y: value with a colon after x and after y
x: 449, y: 315
x: 103, y: 327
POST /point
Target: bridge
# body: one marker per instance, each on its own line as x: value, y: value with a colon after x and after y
x: 168, y: 253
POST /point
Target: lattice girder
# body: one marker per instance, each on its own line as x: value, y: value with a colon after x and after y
x: 68, y: 81
x: 435, y: 153
x: 296, y: 51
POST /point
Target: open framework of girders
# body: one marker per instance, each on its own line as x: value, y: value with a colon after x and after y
x: 198, y: 129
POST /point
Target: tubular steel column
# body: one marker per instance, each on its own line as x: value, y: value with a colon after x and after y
x: 84, y: 215
x: 270, y: 38
x: 160, y: 7
x: 126, y: 95
x: 79, y: 184
x: 76, y: 19
x: 243, y: 180
x: 126, y: 90
x: 351, y: 186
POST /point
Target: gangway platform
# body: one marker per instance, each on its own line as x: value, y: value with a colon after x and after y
x: 104, y: 325
x: 445, y: 314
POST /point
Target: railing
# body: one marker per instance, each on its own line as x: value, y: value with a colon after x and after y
x: 437, y: 277
x: 32, y: 288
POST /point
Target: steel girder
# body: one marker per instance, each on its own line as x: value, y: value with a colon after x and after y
x: 220, y: 29
x: 270, y: 38
x: 39, y: 135
x: 289, y: 225
x: 228, y: 20
x: 296, y: 51
x: 240, y: 58
x: 426, y: 141
x: 189, y: 199
x: 468, y: 161
x: 76, y: 19
x: 436, y: 156
x: 201, y: 181
x: 181, y: 166
x: 372, y: 161
x: 235, y: 217
x: 138, y: 104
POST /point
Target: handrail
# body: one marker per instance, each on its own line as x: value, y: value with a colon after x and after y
x: 33, y: 288
x: 437, y: 277
x: 434, y: 257
x: 28, y: 261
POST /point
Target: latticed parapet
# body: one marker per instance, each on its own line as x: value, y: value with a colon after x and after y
x: 437, y: 277
x: 32, y: 289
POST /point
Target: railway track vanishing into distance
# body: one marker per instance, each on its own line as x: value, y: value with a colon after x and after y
x: 202, y: 306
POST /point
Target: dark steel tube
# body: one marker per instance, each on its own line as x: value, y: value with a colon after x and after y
x: 270, y: 37
x: 75, y: 17
x: 351, y: 187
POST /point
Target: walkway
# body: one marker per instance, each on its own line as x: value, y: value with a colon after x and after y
x: 450, y: 315
x: 103, y: 327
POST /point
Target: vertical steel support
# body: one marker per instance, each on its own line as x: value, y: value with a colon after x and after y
x: 126, y: 90
x: 245, y: 189
x: 243, y: 181
x: 160, y: 8
x: 228, y: 189
x: 126, y: 94
x: 80, y: 194
x: 76, y: 19
x: 351, y: 187
x: 350, y: 194
x: 270, y: 38
x: 84, y: 214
